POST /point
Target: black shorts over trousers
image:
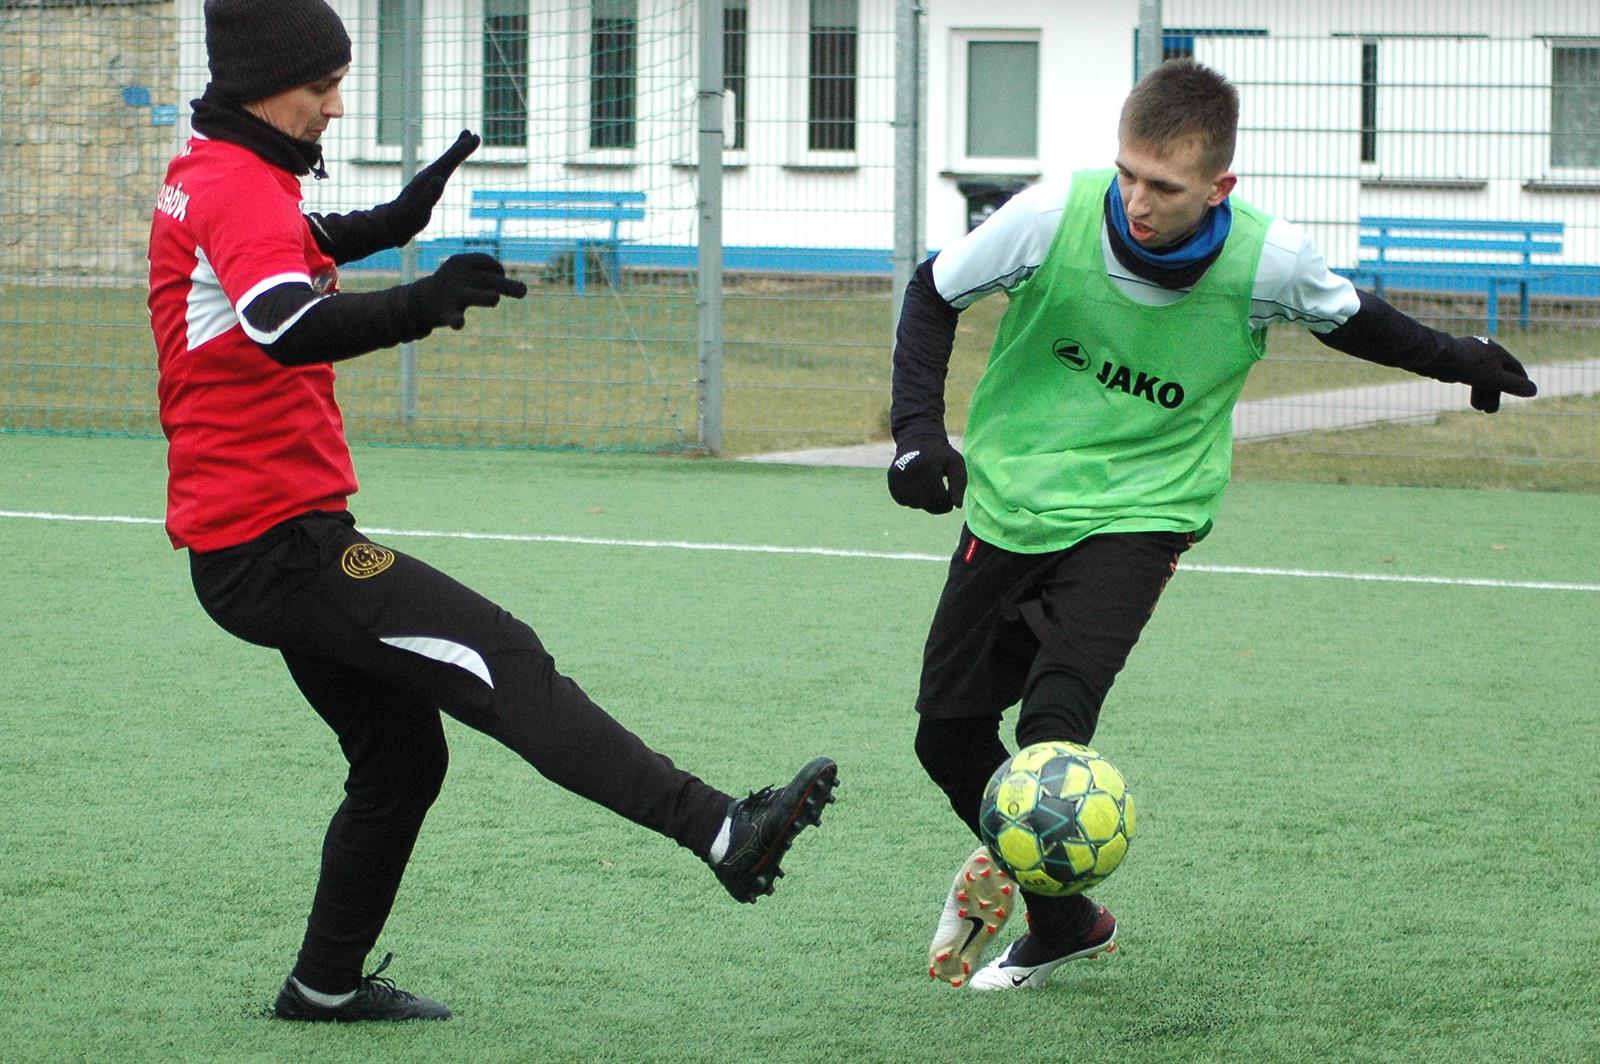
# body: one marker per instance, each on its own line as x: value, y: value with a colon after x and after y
x: 1049, y: 630
x: 379, y: 644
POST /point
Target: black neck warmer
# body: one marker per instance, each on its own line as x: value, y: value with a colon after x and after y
x: 220, y: 118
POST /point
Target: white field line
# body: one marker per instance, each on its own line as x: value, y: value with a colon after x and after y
x: 833, y: 552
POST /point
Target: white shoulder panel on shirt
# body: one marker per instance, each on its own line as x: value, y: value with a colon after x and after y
x: 1006, y: 249
x: 1293, y: 282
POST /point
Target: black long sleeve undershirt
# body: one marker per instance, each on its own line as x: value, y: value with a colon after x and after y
x: 334, y: 327
x: 925, y: 338
x: 923, y: 341
x: 1380, y: 333
x: 348, y: 237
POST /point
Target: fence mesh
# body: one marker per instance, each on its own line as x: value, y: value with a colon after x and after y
x: 1409, y: 138
x: 1352, y: 113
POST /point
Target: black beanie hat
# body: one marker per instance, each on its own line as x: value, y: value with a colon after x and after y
x: 258, y: 48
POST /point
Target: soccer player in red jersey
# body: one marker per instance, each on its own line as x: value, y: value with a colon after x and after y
x: 248, y: 320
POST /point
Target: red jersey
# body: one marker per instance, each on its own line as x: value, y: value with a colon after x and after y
x: 251, y: 442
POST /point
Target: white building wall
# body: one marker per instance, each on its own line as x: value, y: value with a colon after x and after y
x: 1085, y: 70
x: 1526, y: 18
x: 1463, y: 120
x: 776, y: 192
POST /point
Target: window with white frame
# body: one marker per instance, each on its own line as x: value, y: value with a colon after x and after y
x: 995, y: 106
x: 1003, y: 99
x: 391, y: 110
x: 1575, y: 105
x: 613, y: 73
x: 831, y: 75
x: 505, y: 73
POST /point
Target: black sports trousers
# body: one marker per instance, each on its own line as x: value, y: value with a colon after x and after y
x: 1049, y: 630
x: 379, y: 644
x: 1005, y: 617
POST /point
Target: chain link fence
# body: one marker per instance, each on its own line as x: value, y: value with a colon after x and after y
x: 1357, y: 119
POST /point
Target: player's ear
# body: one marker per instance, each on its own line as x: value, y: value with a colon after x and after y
x: 1222, y: 187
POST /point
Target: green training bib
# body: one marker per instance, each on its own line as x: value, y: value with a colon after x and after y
x: 1100, y: 414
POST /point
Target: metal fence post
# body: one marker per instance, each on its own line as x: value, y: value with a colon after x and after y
x: 410, y: 134
x: 1150, y: 38
x: 908, y: 195
x: 708, y: 201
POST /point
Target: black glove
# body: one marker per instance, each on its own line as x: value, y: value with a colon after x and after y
x: 409, y: 213
x: 461, y: 281
x: 1490, y: 369
x: 918, y: 475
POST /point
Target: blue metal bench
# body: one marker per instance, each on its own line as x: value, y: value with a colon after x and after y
x: 1503, y: 255
x: 502, y: 205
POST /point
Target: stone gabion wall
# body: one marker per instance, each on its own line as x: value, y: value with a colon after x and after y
x: 81, y: 155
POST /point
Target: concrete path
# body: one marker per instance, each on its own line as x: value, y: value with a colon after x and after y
x: 1418, y: 401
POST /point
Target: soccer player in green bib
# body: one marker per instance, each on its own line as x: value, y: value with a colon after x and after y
x: 1098, y: 445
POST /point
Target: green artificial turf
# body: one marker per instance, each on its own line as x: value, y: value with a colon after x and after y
x: 1366, y: 808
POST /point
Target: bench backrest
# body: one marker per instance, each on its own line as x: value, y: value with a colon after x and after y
x: 505, y: 204
x: 1460, y: 234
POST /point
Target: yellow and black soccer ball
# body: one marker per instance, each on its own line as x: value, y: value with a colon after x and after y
x: 1058, y: 817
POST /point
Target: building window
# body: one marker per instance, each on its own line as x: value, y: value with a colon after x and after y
x: 831, y: 118
x: 1002, y: 99
x: 1575, y: 106
x: 391, y: 71
x: 1178, y: 42
x: 613, y: 73
x: 505, y: 73
x: 735, y: 55
x: 1369, y: 101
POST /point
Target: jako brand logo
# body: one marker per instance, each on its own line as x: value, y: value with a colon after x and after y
x: 1071, y: 354
x: 1168, y: 394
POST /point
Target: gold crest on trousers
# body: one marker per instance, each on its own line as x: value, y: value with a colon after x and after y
x: 362, y: 560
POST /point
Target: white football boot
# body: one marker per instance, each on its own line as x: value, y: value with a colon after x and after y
x: 979, y: 903
x: 1006, y: 972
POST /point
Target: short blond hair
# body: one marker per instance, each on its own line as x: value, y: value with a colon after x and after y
x: 1182, y: 100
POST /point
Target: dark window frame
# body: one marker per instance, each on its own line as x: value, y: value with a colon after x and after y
x: 1369, y: 101
x: 736, y: 65
x: 832, y: 70
x: 505, y: 75
x: 614, y: 76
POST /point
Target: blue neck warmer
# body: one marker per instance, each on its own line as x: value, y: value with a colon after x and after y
x: 1198, y: 245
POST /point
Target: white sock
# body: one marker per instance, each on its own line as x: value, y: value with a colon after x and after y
x: 317, y: 997
x: 719, y: 847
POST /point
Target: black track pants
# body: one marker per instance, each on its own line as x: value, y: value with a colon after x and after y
x: 379, y: 643
x: 1049, y: 630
